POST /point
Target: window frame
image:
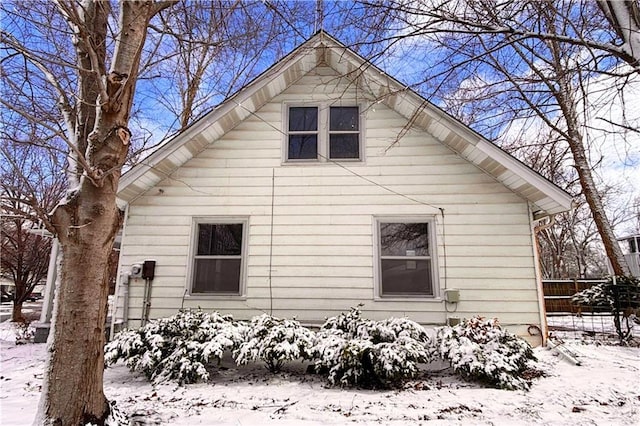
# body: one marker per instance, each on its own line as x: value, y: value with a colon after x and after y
x: 193, y: 249
x: 317, y: 133
x: 323, y: 132
x: 431, y: 221
x: 332, y: 132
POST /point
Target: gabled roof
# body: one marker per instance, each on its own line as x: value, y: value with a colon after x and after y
x: 322, y: 49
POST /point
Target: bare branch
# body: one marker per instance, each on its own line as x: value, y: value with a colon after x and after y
x: 63, y: 101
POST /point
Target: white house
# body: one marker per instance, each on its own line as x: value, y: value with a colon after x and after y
x: 325, y: 184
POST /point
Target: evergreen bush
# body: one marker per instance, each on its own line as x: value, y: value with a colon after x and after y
x: 480, y: 349
x: 353, y: 351
x: 24, y: 332
x: 274, y: 341
x: 349, y: 350
x: 620, y: 297
x: 178, y: 347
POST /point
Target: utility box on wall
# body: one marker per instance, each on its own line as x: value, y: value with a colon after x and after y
x: 136, y: 270
x: 452, y: 295
x: 149, y: 269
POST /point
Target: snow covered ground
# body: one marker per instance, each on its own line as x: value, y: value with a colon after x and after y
x: 603, y: 390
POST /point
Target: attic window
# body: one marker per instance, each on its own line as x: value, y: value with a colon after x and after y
x: 303, y: 133
x: 321, y: 133
x: 344, y: 132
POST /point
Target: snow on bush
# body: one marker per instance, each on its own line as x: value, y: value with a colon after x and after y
x: 623, y: 295
x: 274, y: 341
x: 620, y: 297
x: 353, y: 351
x: 178, y: 347
x: 342, y: 359
x: 480, y: 349
x: 391, y: 329
x: 346, y: 322
x: 348, y: 349
x: 25, y: 333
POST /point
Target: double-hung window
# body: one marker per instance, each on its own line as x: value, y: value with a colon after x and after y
x: 344, y: 133
x: 323, y: 133
x: 407, y: 264
x: 303, y: 133
x: 218, y: 254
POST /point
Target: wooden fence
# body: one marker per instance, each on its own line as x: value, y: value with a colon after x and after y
x: 558, y: 293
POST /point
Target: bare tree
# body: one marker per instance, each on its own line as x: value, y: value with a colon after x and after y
x: 71, y: 69
x: 25, y: 259
x: 569, y: 244
x: 226, y: 42
x: 93, y: 71
x: 519, y: 59
x: 624, y: 18
x: 30, y: 182
x: 201, y: 53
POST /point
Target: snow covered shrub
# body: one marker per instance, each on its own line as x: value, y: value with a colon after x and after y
x: 274, y: 341
x: 25, y: 333
x: 480, y: 349
x: 622, y: 299
x: 625, y: 294
x: 346, y: 322
x: 391, y: 329
x: 355, y: 351
x: 388, y: 330
x: 343, y: 359
x: 176, y: 348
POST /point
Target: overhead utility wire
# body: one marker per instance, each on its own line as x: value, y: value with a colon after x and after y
x: 386, y: 188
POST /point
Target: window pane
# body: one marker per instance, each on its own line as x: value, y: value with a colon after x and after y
x: 303, y: 147
x: 408, y: 277
x: 217, y: 275
x: 303, y: 119
x: 220, y: 239
x: 344, y: 118
x: 344, y: 146
x: 404, y: 239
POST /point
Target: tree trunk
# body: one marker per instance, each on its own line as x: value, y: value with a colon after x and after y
x: 575, y: 140
x: 16, y: 312
x: 73, y: 393
x: 87, y: 221
x: 611, y: 246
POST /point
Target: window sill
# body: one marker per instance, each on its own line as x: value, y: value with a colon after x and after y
x: 321, y: 162
x: 239, y: 297
x: 430, y: 299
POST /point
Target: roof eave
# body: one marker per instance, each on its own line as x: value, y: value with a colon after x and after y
x: 546, y: 197
x: 463, y: 140
x: 241, y: 102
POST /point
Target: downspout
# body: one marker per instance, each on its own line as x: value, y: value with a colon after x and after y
x: 122, y: 284
x: 49, y: 292
x: 536, y: 253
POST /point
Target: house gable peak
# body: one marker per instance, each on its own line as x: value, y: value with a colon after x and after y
x: 322, y: 49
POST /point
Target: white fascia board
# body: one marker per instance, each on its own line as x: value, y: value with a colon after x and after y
x: 177, y: 141
x: 122, y: 204
x: 548, y: 188
x: 479, y: 147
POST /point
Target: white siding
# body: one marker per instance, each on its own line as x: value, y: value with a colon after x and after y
x: 322, y: 249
